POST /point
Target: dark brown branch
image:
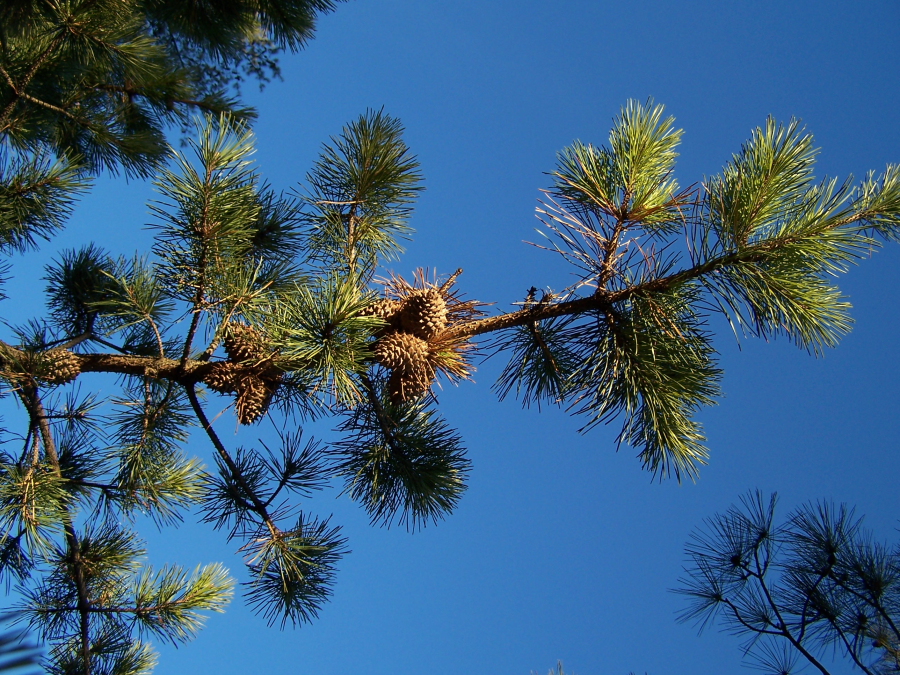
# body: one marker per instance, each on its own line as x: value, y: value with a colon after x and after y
x: 256, y: 503
x: 783, y: 624
x: 804, y: 622
x: 135, y: 91
x: 741, y: 620
x: 201, y: 291
x: 850, y: 650
x: 603, y: 299
x: 383, y: 420
x: 151, y: 366
x: 610, y: 250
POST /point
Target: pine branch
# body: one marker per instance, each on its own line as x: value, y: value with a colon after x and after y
x: 18, y: 88
x: 31, y: 399
x: 601, y: 300
x: 255, y: 502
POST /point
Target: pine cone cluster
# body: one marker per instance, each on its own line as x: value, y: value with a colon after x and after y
x: 59, y: 366
x: 407, y: 356
x: 405, y: 350
x: 401, y: 351
x: 248, y: 372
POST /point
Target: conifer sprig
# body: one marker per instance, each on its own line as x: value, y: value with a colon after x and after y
x: 166, y: 603
x: 631, y: 182
x: 37, y: 194
x: 114, y: 596
x: 361, y: 192
x: 540, y: 364
x: 400, y: 461
x: 319, y: 328
x: 153, y: 476
x: 293, y: 571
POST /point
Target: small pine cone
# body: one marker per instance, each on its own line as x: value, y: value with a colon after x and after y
x: 60, y: 366
x: 243, y: 342
x: 385, y: 309
x: 404, y: 386
x: 253, y: 396
x: 424, y: 313
x: 401, y: 352
x: 222, y: 377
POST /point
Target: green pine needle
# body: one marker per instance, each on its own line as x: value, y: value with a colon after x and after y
x: 401, y: 461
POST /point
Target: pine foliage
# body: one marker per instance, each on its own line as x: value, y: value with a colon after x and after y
x: 813, y: 586
x: 360, y: 195
x: 258, y: 305
x: 400, y: 461
x: 629, y: 339
x: 97, y: 82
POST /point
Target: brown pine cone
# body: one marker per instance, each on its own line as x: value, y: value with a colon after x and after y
x: 424, y: 313
x: 59, y: 366
x: 222, y: 377
x: 405, y: 386
x: 253, y: 396
x: 385, y: 309
x: 401, y: 351
x: 243, y: 342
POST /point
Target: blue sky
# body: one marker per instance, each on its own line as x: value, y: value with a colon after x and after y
x: 562, y: 548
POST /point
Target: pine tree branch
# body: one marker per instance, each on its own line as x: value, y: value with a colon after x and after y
x: 603, y: 299
x: 201, y: 271
x: 256, y: 503
x: 129, y: 364
x: 170, y: 100
x: 850, y: 651
x: 786, y: 632
x: 31, y: 399
x: 535, y: 330
x: 188, y: 371
x: 75, y: 341
x: 119, y: 610
x: 55, y: 108
x: 804, y: 622
x: 162, y: 368
x: 736, y: 613
x: 111, y: 345
x: 24, y: 190
x: 19, y: 90
x: 383, y: 420
x: 608, y: 269
x: 195, y: 323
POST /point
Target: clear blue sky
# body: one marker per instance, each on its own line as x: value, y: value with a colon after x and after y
x: 562, y: 548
